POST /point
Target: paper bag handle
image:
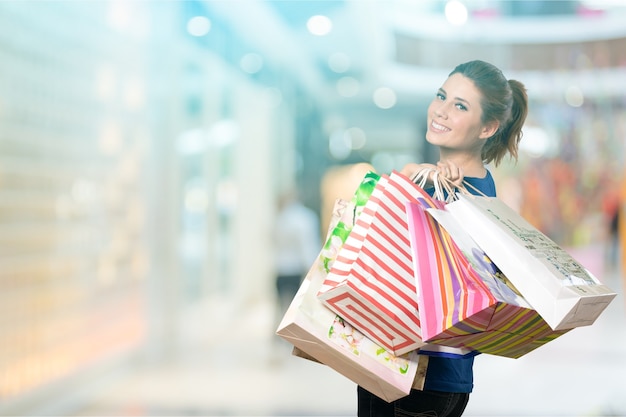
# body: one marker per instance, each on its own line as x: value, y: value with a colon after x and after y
x: 442, y: 184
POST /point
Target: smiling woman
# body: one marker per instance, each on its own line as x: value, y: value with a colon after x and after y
x: 475, y: 118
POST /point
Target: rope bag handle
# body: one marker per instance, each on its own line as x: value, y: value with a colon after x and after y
x: 443, y: 185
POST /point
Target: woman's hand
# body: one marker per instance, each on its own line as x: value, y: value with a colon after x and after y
x: 446, y: 169
x: 451, y: 171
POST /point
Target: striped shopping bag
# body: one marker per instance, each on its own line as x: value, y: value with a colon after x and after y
x: 464, y: 299
x: 372, y: 284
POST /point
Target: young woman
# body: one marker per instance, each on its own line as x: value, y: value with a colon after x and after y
x: 475, y: 118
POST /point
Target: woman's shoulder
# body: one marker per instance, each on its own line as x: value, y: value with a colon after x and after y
x: 485, y: 185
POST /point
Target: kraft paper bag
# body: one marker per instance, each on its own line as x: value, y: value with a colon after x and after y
x: 322, y: 335
x: 559, y: 288
x: 464, y: 300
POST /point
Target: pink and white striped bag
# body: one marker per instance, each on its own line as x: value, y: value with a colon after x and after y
x: 372, y: 282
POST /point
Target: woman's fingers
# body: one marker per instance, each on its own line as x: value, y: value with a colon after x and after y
x: 450, y: 171
x: 446, y: 169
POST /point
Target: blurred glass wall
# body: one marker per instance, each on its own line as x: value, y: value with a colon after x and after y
x: 138, y: 165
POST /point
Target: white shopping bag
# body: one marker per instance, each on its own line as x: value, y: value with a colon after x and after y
x: 560, y: 289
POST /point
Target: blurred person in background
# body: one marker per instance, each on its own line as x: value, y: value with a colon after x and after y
x: 297, y: 243
x: 614, y: 233
x: 474, y: 119
x: 621, y: 226
x: 611, y: 207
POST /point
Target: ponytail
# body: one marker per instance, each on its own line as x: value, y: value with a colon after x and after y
x: 503, y: 101
x: 507, y: 138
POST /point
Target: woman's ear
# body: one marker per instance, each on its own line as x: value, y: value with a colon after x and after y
x: 489, y: 129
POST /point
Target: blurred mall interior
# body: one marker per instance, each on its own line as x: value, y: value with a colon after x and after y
x: 144, y: 145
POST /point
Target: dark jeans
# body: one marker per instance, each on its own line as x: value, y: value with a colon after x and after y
x: 416, y: 404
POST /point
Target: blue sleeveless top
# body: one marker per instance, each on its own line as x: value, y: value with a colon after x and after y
x: 455, y: 374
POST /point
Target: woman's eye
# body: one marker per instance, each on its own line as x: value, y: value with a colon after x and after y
x: 440, y: 96
x: 461, y: 106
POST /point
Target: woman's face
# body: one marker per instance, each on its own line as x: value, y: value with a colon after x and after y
x: 454, y: 116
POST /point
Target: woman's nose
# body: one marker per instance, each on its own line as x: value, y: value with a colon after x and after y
x: 441, y: 111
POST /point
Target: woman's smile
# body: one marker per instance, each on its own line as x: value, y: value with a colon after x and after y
x: 438, y: 128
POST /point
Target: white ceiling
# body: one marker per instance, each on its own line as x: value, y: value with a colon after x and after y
x: 410, y: 47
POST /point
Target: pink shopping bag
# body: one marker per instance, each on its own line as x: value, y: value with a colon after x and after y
x: 464, y: 299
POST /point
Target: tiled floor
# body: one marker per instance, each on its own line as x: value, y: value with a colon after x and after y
x: 583, y: 373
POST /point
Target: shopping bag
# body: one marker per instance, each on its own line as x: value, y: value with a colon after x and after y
x: 371, y: 284
x: 464, y: 300
x: 363, y: 309
x: 559, y: 288
x: 321, y: 335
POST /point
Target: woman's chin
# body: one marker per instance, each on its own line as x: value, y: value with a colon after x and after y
x: 432, y: 139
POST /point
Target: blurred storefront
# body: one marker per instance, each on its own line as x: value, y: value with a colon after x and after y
x: 138, y: 169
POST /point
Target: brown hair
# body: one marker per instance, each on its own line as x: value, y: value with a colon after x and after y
x: 504, y: 101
